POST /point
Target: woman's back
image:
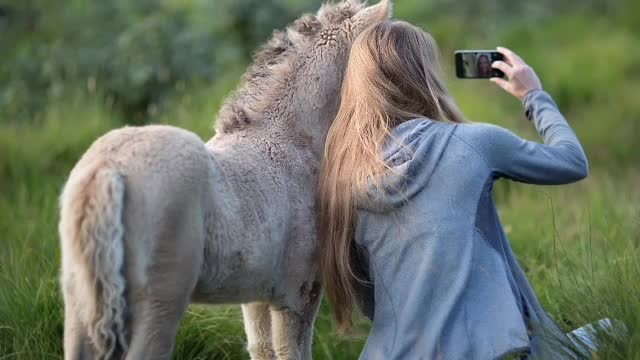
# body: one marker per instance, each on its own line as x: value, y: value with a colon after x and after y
x: 425, y: 256
x: 446, y: 282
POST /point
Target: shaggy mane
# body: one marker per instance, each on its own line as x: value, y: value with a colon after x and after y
x: 265, y: 80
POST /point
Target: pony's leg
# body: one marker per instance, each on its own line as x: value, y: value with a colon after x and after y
x: 159, y: 299
x: 309, y: 317
x: 154, y: 332
x: 286, y: 328
x: 257, y: 325
x: 77, y: 345
x: 292, y: 327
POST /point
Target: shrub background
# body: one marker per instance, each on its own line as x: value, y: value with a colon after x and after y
x: 70, y: 71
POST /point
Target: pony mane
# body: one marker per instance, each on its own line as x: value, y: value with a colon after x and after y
x: 274, y: 63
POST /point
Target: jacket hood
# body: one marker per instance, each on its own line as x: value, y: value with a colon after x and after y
x: 413, y: 153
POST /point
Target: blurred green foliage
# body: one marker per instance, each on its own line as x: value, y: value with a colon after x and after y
x: 138, y: 52
x: 140, y: 55
x: 134, y: 52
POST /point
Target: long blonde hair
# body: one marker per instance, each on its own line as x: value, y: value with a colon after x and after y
x: 392, y: 76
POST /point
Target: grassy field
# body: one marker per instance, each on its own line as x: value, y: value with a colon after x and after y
x: 579, y: 244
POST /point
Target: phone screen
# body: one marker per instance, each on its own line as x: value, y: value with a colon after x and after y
x: 476, y: 64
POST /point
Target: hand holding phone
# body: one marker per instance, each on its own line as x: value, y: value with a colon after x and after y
x: 522, y: 78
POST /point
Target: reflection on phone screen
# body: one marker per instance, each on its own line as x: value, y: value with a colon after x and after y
x: 476, y: 65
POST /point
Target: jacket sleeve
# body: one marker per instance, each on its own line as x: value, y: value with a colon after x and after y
x: 559, y: 160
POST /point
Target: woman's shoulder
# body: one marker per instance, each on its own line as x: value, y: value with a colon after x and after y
x: 483, y: 136
x: 488, y: 140
x: 475, y: 131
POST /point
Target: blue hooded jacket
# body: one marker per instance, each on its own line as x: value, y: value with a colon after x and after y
x: 444, y: 281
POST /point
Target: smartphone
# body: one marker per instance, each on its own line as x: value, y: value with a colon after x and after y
x: 476, y: 64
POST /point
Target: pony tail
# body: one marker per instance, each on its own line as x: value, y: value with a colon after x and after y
x: 92, y: 233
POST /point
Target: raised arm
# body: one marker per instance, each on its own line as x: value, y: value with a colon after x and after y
x: 559, y: 160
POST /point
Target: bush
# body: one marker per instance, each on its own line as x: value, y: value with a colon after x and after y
x: 135, y: 52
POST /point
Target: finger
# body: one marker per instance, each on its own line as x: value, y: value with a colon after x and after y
x: 504, y: 67
x: 502, y: 83
x: 510, y: 56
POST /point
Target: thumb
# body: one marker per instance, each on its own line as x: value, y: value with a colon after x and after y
x: 502, y: 83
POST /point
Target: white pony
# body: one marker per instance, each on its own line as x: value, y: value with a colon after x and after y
x: 152, y: 218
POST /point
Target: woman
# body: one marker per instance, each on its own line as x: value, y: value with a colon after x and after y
x: 405, y: 204
x: 484, y: 67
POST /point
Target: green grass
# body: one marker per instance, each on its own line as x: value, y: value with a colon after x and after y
x: 579, y: 244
